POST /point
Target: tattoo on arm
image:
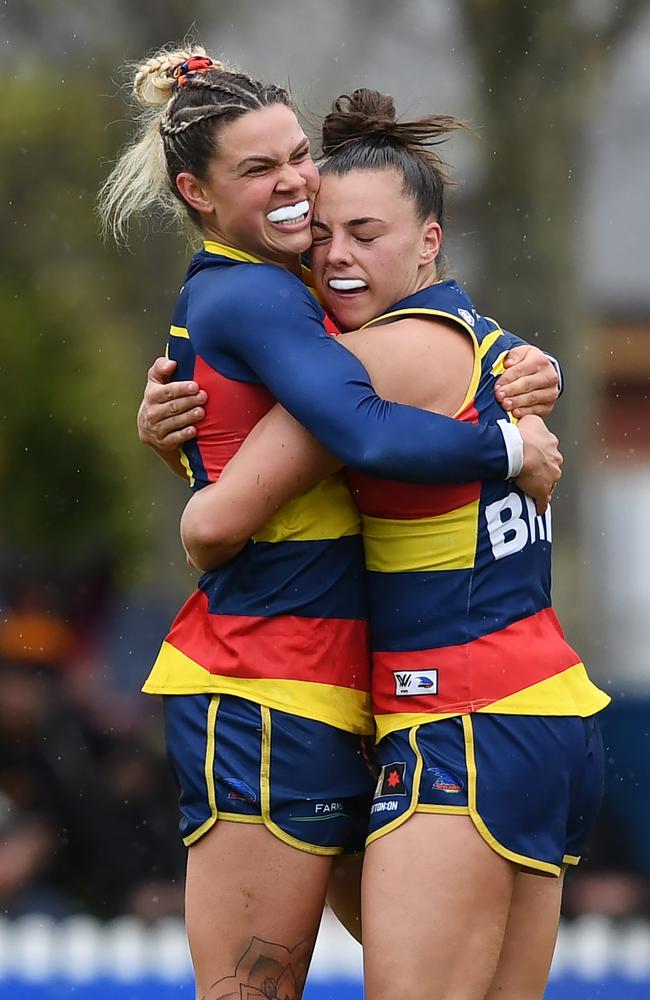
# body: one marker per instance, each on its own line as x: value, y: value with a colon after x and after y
x: 266, y: 971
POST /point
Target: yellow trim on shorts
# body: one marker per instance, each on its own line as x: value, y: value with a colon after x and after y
x: 265, y: 796
x: 208, y: 769
x: 415, y: 788
x: 239, y: 818
x: 482, y: 829
x: 571, y: 859
x: 443, y: 810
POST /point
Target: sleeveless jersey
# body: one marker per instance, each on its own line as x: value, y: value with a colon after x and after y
x: 460, y: 575
x: 284, y: 623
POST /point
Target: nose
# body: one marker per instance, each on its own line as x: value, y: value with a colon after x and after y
x: 290, y: 178
x: 339, y: 251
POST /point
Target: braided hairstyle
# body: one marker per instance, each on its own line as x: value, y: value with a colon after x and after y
x: 185, y: 97
x: 362, y: 132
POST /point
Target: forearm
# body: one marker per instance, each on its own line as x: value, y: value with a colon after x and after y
x: 210, y: 536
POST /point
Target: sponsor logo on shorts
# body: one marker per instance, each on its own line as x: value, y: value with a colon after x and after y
x: 328, y: 809
x: 467, y: 316
x: 391, y: 780
x: 444, y: 781
x: 323, y: 808
x: 391, y: 806
x: 415, y: 682
x: 239, y: 790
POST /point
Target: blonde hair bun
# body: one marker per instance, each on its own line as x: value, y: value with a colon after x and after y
x: 154, y: 81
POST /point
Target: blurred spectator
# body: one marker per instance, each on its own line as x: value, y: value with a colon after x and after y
x: 89, y: 816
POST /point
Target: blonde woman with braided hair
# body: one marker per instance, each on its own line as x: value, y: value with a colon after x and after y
x: 264, y: 672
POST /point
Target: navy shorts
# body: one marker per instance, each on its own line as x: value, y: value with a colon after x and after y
x: 307, y: 782
x: 532, y: 785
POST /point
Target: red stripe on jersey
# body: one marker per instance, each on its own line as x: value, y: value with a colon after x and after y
x: 330, y: 326
x: 321, y: 650
x: 406, y: 501
x: 494, y: 666
x: 233, y: 410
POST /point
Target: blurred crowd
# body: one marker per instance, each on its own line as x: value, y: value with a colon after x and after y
x: 87, y: 803
x: 88, y: 817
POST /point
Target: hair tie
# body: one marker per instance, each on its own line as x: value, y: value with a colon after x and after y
x: 183, y: 71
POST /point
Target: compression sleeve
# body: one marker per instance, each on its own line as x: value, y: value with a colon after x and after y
x: 271, y: 323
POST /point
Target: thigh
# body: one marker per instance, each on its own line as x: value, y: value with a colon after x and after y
x: 344, y: 892
x: 253, y: 906
x: 529, y: 939
x: 435, y: 903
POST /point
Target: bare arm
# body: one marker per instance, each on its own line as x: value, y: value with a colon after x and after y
x: 170, y: 410
x: 280, y: 459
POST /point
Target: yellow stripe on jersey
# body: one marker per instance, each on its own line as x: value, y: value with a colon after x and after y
x: 570, y: 692
x: 179, y: 331
x: 231, y: 252
x: 498, y: 368
x: 489, y: 340
x: 326, y: 511
x: 345, y: 708
x: 185, y: 462
x: 445, y: 541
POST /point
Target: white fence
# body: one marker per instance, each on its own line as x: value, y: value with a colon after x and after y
x: 37, y: 949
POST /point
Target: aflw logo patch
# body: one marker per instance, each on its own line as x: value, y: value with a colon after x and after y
x: 415, y: 682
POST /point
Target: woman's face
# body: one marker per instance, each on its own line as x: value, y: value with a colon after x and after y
x: 261, y: 186
x: 369, y: 248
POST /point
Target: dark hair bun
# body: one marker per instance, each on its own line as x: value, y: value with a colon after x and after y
x: 370, y: 115
x: 358, y: 115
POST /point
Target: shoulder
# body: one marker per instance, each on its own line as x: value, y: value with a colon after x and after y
x: 249, y: 292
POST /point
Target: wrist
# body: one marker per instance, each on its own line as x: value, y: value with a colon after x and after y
x: 514, y: 447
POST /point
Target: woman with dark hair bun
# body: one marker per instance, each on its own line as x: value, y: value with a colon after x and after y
x: 489, y: 755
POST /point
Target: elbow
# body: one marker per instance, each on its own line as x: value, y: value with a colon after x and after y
x: 369, y: 455
x: 208, y: 544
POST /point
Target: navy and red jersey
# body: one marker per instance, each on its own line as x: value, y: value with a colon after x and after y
x: 284, y: 622
x: 460, y: 575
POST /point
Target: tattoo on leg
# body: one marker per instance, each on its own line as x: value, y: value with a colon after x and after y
x: 268, y: 971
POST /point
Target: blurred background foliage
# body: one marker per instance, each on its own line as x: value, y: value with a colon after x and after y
x: 548, y: 227
x: 82, y: 321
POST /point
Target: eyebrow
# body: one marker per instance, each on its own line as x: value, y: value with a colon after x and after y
x: 255, y: 158
x: 351, y: 222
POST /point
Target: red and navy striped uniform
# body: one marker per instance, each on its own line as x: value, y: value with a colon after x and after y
x: 460, y: 575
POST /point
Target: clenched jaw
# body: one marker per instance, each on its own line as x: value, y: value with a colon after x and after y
x: 289, y: 215
x: 347, y: 285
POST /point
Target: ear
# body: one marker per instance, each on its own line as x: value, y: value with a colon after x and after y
x: 431, y: 240
x: 194, y: 193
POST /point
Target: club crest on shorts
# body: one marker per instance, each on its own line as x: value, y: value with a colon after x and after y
x: 444, y: 781
x: 391, y: 780
x: 238, y: 789
x: 415, y: 682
